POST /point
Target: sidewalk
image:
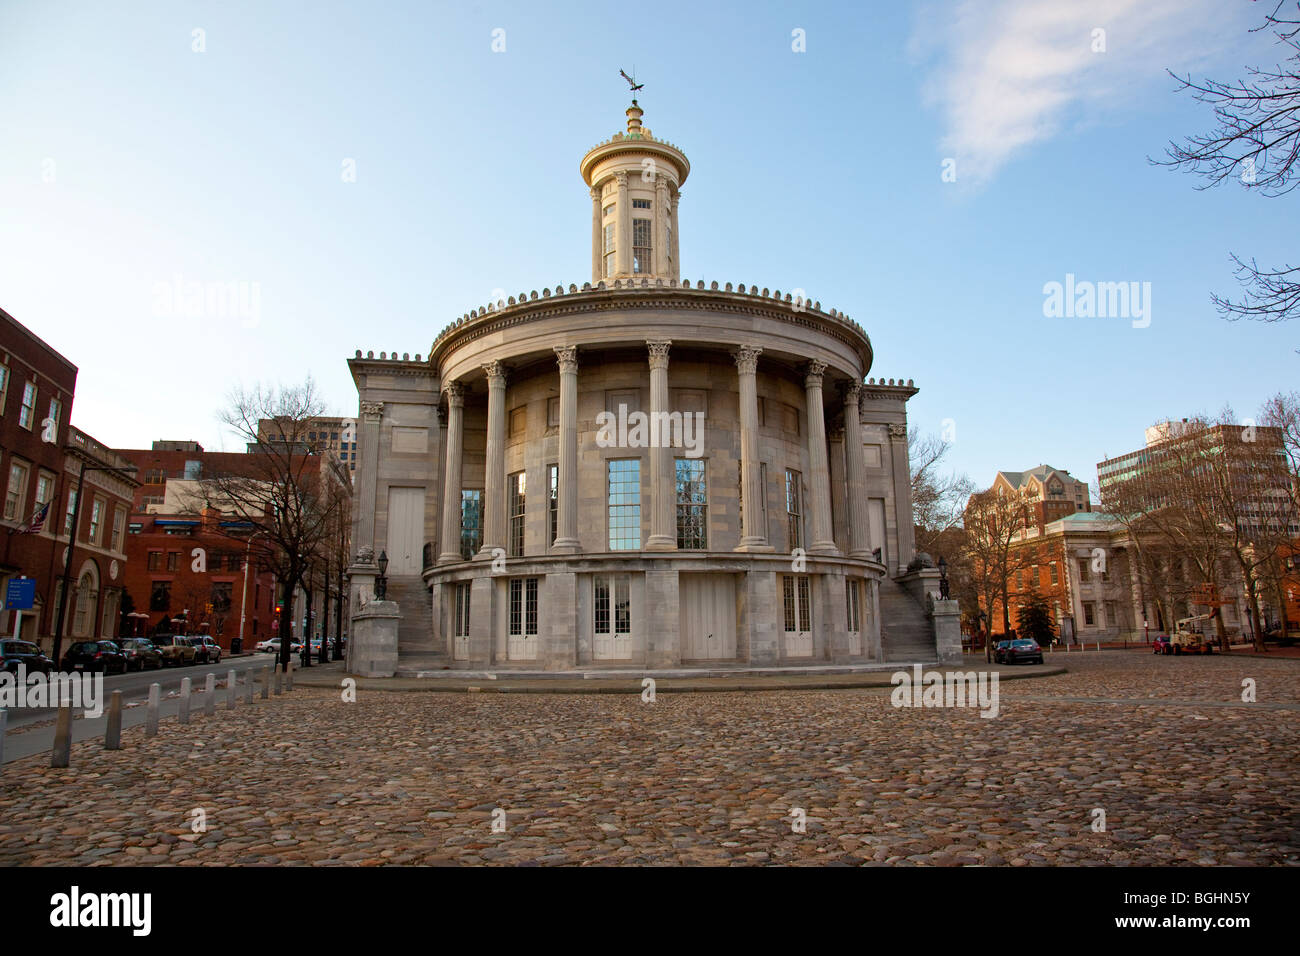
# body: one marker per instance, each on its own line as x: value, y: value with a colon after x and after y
x: 331, y: 676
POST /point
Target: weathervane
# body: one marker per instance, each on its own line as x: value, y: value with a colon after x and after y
x: 631, y: 80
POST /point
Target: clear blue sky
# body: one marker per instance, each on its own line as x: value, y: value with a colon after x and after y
x: 818, y: 170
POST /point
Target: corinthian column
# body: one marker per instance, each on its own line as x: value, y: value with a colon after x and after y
x: 494, y: 483
x: 660, y: 254
x: 622, y: 229
x: 597, y: 237
x: 820, y: 480
x: 663, y: 533
x: 451, y: 484
x: 368, y: 479
x: 566, y: 532
x: 855, y: 476
x: 753, y: 533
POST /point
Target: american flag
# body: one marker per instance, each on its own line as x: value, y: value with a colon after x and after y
x: 38, y: 520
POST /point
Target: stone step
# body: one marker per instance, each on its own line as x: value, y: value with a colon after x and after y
x: 906, y: 632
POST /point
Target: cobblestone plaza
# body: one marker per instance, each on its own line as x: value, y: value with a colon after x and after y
x: 1185, y: 772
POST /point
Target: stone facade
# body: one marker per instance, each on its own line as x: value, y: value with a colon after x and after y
x: 529, y: 524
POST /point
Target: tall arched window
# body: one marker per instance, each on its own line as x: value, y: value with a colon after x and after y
x: 86, y: 595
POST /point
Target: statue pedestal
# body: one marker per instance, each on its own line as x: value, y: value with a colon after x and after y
x: 947, y: 630
x: 373, y: 648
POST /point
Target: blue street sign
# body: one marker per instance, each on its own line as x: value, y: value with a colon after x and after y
x: 20, y: 595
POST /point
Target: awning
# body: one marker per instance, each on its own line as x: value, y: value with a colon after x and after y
x: 184, y: 522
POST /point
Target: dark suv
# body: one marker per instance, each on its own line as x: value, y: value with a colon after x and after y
x: 94, y: 656
x: 14, y: 652
x: 140, y: 653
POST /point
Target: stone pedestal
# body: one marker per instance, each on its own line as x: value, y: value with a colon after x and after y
x: 947, y: 630
x: 373, y: 646
x: 920, y: 584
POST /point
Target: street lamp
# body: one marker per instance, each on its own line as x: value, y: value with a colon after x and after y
x: 943, y: 579
x: 381, y: 582
x: 72, y: 545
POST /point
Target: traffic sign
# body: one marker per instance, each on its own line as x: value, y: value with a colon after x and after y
x: 20, y: 595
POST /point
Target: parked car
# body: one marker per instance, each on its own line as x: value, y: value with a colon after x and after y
x: 999, y: 652
x: 1023, y: 649
x: 273, y: 646
x: 1161, y: 645
x: 176, y: 651
x: 140, y: 654
x: 102, y: 656
x: 212, y: 647
x: 14, y: 652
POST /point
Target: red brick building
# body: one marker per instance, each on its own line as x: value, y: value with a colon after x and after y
x: 42, y: 458
x: 189, y: 569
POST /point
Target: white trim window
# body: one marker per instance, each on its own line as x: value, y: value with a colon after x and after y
x: 27, y: 414
x: 612, y: 616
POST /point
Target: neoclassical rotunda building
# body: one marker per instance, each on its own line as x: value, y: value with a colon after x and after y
x: 639, y: 473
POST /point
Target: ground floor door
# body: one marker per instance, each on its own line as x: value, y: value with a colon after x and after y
x: 612, y: 617
x: 460, y: 621
x: 708, y: 616
x: 521, y: 620
x: 797, y: 595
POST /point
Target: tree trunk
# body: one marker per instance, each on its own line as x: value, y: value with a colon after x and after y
x: 286, y: 618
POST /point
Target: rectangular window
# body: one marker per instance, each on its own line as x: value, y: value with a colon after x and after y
x: 4, y: 386
x: 787, y: 585
x: 221, y: 596
x: 471, y: 522
x: 609, y: 249
x: 1112, y: 614
x: 523, y: 606
x: 609, y: 210
x: 96, y: 520
x: 793, y: 509
x: 1083, y: 569
x: 517, y: 485
x: 44, y: 489
x: 56, y: 410
x: 461, y: 628
x: 854, y: 608
x: 805, y: 604
x: 68, y: 515
x: 641, y: 245
x: 27, y: 414
x: 1051, y: 568
x: 640, y: 204
x: 155, y: 476
x: 692, y: 505
x: 553, y: 499
x: 173, y: 560
x: 624, y: 504
x: 1089, y: 613
x: 16, y: 494
x: 119, y: 522
x: 160, y: 599
x: 155, y: 560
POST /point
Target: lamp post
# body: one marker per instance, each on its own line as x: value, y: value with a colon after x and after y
x: 306, y: 593
x: 72, y: 545
x: 381, y: 582
x: 243, y: 594
x: 943, y: 579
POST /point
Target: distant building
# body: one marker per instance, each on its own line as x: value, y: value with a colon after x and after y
x: 332, y: 436
x: 1049, y: 493
x: 41, y: 460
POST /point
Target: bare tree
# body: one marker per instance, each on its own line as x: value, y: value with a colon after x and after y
x: 1256, y: 140
x: 938, y: 500
x: 995, y: 524
x: 285, y: 497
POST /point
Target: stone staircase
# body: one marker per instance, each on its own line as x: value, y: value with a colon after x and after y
x: 415, y: 627
x: 906, y: 632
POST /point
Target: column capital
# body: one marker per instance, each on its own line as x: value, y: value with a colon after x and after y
x: 566, y: 357
x: 813, y: 376
x: 372, y: 411
x: 455, y: 394
x: 658, y: 352
x: 595, y: 192
x: 747, y: 359
x: 850, y: 392
x: 621, y: 176
x: 835, y: 434
x: 496, y: 373
x: 898, y: 432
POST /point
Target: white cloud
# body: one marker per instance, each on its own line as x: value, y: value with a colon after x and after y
x: 1010, y: 73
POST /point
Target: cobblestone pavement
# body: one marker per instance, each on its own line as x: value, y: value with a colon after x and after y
x: 699, y: 778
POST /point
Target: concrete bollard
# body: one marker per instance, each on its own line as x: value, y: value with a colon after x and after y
x: 62, y: 753
x: 184, y: 712
x: 210, y: 695
x: 279, y: 681
x: 113, y: 726
x: 151, y: 712
x: 288, y: 676
x: 266, y: 682
x: 232, y: 688
x: 248, y: 687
